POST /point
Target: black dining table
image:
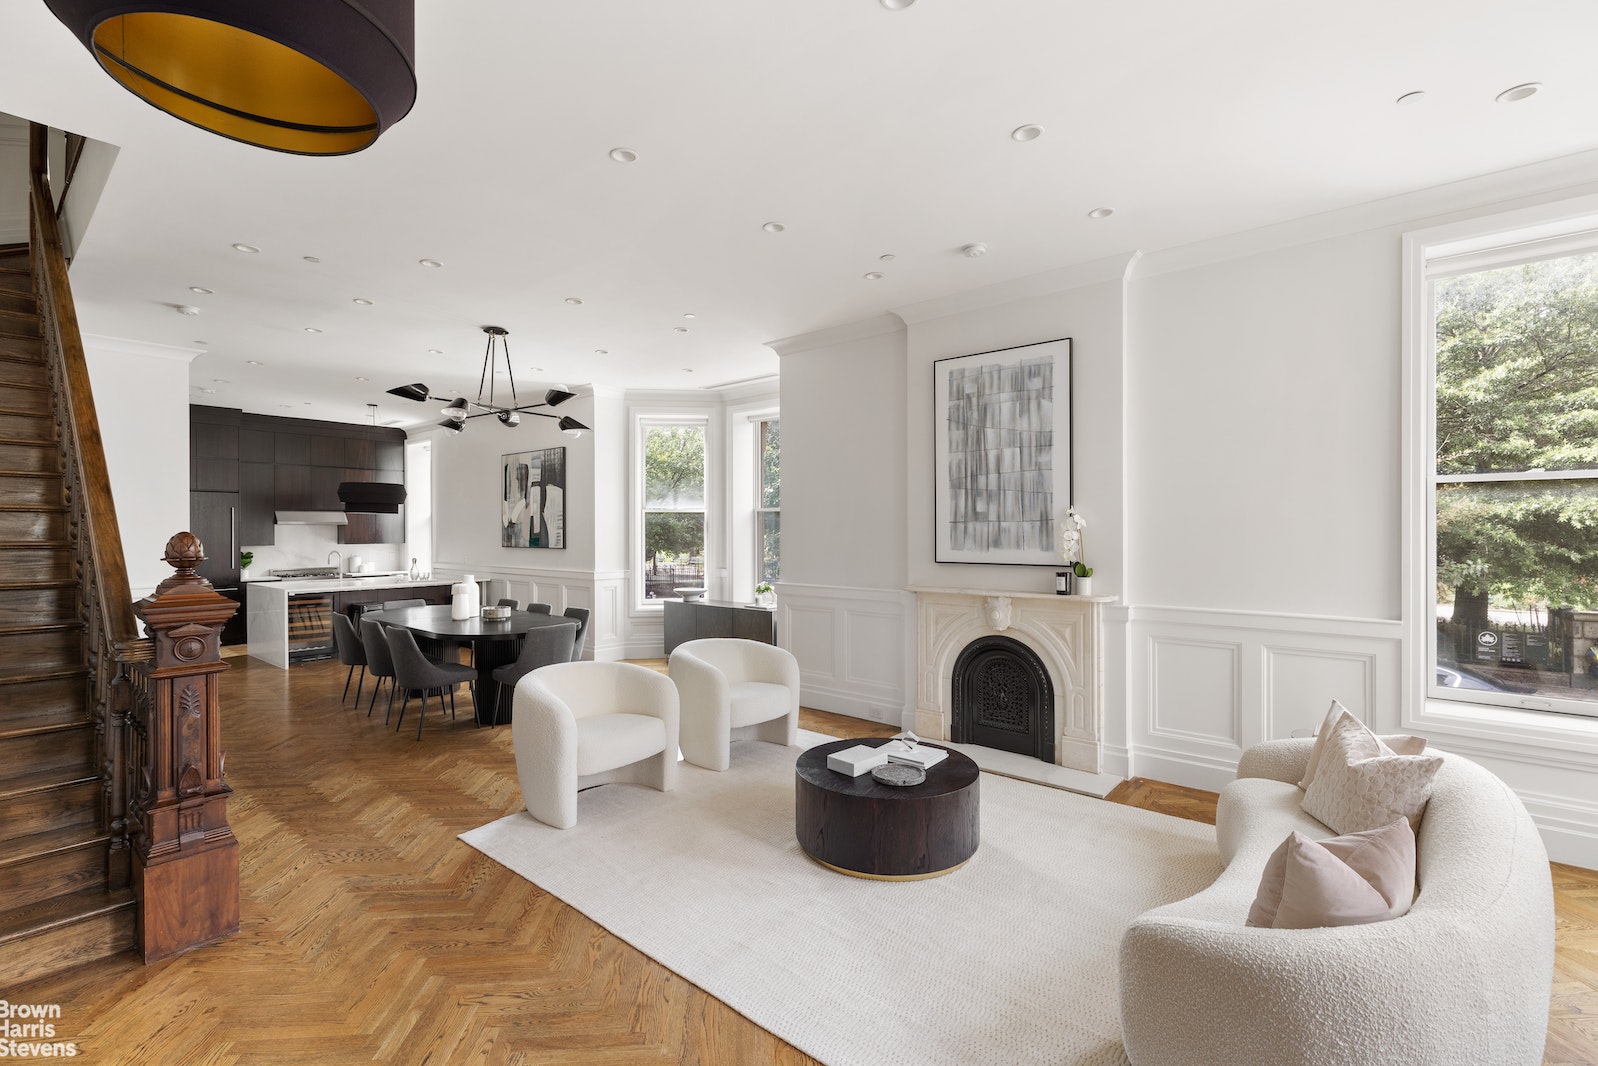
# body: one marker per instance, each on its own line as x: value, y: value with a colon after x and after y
x: 493, y: 643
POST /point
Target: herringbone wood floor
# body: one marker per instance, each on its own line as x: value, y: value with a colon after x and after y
x: 370, y: 933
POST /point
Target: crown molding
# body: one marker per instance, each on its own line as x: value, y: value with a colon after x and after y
x: 875, y: 326
x: 94, y: 342
x: 1062, y: 279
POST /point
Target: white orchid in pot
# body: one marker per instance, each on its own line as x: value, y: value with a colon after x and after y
x: 1073, y: 550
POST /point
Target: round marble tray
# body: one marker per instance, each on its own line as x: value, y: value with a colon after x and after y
x: 895, y: 773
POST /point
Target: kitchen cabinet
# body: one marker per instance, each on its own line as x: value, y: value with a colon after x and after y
x: 213, y: 517
x: 257, y: 503
x: 293, y: 487
x: 213, y: 454
x: 327, y: 451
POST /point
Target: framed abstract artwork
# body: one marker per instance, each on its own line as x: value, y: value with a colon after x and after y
x: 1002, y: 454
x: 532, y: 508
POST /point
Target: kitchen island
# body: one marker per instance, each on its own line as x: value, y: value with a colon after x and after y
x: 291, y: 620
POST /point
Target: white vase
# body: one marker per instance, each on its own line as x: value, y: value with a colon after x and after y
x: 766, y: 599
x: 244, y: 573
x: 1084, y: 586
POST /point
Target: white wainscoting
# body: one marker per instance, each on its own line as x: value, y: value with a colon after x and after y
x: 558, y: 588
x: 1204, y: 685
x: 856, y: 649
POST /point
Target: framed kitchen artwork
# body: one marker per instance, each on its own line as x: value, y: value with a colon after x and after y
x: 1002, y: 454
x: 532, y: 509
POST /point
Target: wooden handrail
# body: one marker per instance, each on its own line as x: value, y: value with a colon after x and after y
x: 112, y: 644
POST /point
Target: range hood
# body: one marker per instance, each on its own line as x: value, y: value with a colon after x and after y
x: 312, y: 518
x: 371, y: 497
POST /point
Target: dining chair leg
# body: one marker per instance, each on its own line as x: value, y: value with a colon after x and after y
x: 347, y: 675
x: 377, y: 686
x: 361, y: 681
x: 405, y: 701
x: 452, y: 716
x: 421, y: 715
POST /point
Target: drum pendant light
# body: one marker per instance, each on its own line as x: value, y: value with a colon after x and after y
x: 312, y: 77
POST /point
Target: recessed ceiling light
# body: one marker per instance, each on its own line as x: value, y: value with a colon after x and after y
x: 624, y: 155
x: 285, y: 405
x: 312, y: 329
x: 896, y: 5
x: 362, y: 302
x: 363, y: 379
x: 536, y: 369
x: 252, y: 362
x: 1516, y: 93
x: 435, y: 351
x: 1101, y: 212
x: 687, y: 370
x: 974, y: 251
x: 219, y: 381
x: 1411, y: 98
x: 200, y: 289
x: 245, y: 248
x: 875, y: 275
x: 890, y: 257
x: 310, y: 259
x: 600, y: 351
x: 679, y: 329
x: 202, y: 344
x: 1026, y: 133
x: 574, y: 301
x: 208, y: 390
x: 430, y: 262
x: 185, y: 309
x: 773, y: 227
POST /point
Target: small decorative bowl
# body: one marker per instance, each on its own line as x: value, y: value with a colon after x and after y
x: 690, y: 594
x: 496, y: 613
x: 900, y: 774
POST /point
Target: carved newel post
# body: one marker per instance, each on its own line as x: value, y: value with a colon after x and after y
x: 185, y: 857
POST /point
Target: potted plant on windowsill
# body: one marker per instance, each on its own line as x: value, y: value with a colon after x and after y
x: 245, y: 559
x: 765, y: 595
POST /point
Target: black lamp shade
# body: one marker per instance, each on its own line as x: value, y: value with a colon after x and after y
x: 568, y: 422
x: 556, y: 397
x: 414, y: 391
x: 312, y: 77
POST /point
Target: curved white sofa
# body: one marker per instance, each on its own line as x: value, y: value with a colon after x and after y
x: 1463, y: 978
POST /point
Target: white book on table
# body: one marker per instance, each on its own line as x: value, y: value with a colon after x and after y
x: 922, y: 755
x: 857, y: 760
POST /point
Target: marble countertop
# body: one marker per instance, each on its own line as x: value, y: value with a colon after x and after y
x: 300, y: 585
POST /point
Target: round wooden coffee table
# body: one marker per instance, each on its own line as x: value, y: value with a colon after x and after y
x: 860, y: 827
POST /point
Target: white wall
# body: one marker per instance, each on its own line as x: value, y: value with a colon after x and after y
x: 142, y: 394
x: 841, y: 605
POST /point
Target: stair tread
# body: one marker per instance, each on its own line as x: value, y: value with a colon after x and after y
x: 44, y: 781
x: 39, y: 583
x: 44, y: 675
x: 53, y: 545
x: 61, y: 910
x: 35, y: 845
x: 33, y: 627
x: 35, y: 508
x: 75, y: 725
x: 28, y: 473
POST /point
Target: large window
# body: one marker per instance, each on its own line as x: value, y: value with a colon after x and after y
x: 673, y: 517
x: 768, y: 528
x: 1514, y: 482
x: 419, y: 504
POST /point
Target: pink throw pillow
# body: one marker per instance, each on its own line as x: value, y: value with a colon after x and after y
x: 1347, y: 880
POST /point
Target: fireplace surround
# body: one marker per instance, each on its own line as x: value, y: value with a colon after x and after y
x: 1063, y: 633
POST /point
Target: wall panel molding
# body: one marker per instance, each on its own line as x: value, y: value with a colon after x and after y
x: 855, y: 648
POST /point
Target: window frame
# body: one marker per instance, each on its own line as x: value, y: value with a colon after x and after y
x: 643, y: 420
x: 760, y: 509
x: 1544, y: 231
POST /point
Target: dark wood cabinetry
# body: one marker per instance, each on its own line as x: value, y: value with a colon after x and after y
x: 291, y: 464
x: 694, y: 619
x: 213, y: 517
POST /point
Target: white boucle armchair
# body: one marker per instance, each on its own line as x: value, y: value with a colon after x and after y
x: 734, y: 689
x: 580, y: 724
x: 1463, y: 978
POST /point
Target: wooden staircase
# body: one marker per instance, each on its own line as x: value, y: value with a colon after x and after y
x: 58, y: 906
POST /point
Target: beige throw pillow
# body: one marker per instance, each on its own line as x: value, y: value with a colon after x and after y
x: 1360, y: 783
x: 1347, y: 880
x: 1401, y: 744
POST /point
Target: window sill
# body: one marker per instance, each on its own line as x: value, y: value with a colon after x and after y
x: 1513, y: 729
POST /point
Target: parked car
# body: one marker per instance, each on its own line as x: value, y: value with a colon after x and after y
x: 1456, y: 676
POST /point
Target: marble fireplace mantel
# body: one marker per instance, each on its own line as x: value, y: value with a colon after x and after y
x: 1066, y: 632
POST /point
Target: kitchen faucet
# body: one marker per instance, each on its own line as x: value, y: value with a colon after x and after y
x: 340, y: 555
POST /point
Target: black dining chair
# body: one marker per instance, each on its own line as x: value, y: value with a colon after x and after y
x: 538, y: 608
x: 395, y: 605
x: 378, y: 663
x: 414, y: 671
x: 351, y: 652
x: 581, y: 615
x: 512, y: 604
x: 540, y: 647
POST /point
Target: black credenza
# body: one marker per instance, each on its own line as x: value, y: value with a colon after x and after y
x: 694, y: 619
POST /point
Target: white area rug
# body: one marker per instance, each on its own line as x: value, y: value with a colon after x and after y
x: 1009, y: 960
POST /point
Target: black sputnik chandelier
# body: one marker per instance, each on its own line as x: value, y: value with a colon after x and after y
x: 460, y: 409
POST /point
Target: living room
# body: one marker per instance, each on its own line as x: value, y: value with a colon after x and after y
x: 1248, y: 418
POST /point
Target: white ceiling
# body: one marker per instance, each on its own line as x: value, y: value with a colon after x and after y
x: 866, y: 131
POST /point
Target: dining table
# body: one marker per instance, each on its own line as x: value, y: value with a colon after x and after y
x: 494, y: 642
